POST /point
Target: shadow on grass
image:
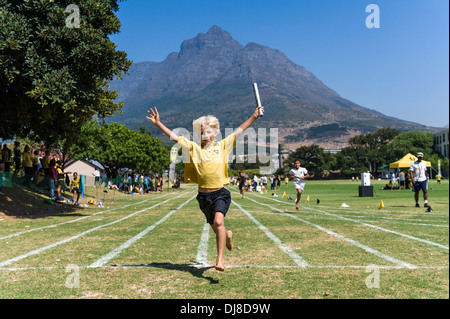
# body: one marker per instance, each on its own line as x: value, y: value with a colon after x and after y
x: 197, y: 272
x: 25, y: 202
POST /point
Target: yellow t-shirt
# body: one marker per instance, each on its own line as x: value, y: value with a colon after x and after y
x: 46, y: 162
x: 75, y: 183
x: 27, y: 160
x: 207, y: 166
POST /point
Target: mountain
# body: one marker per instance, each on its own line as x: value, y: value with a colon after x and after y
x: 213, y: 74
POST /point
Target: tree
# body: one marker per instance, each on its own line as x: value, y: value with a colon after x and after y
x: 371, y: 150
x: 54, y: 77
x: 350, y: 162
x: 411, y: 142
x: 117, y: 147
x: 417, y: 141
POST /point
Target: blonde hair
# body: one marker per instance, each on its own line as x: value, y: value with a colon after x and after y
x: 209, y: 120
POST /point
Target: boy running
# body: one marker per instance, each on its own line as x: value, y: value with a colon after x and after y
x: 207, y: 167
x: 242, y: 181
x: 298, y: 174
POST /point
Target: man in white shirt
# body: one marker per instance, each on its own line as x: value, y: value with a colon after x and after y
x: 97, y: 177
x: 419, y: 178
x: 298, y: 174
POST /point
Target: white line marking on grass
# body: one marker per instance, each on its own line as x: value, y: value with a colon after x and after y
x: 384, y: 211
x: 73, y: 221
x: 106, y: 258
x: 382, y: 229
x: 295, y: 257
x: 171, y: 266
x: 38, y: 251
x: 333, y: 218
x: 372, y: 226
x: 202, y: 251
x: 351, y: 241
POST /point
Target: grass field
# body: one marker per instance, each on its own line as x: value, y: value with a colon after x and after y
x: 157, y: 246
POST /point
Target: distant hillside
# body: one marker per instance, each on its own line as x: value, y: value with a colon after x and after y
x: 213, y: 74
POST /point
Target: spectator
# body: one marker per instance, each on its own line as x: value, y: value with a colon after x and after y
x: 28, y: 166
x: 60, y: 181
x: 438, y: 178
x: 97, y: 177
x: 6, y: 155
x: 17, y: 158
x: 401, y: 178
x: 35, y: 160
x: 52, y: 178
x: 75, y: 188
x: 46, y: 163
x: 419, y: 179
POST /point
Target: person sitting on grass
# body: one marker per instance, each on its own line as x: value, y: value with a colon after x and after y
x: 208, y: 167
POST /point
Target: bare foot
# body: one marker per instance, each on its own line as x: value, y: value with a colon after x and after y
x: 220, y: 266
x: 296, y: 205
x: 229, y: 242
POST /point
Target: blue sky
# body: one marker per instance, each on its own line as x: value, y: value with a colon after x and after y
x: 400, y: 69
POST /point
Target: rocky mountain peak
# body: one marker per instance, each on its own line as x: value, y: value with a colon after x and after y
x: 215, y: 41
x: 212, y: 74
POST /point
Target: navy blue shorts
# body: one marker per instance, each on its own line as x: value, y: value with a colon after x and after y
x: 210, y: 203
x: 420, y: 186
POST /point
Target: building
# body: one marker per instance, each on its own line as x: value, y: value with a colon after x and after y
x: 86, y: 168
x: 283, y: 154
x: 441, y: 143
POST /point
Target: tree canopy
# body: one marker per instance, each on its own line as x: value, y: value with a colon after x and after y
x: 54, y: 77
x: 117, y: 147
x: 313, y: 157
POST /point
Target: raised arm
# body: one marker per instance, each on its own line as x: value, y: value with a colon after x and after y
x: 248, y: 123
x: 154, y: 118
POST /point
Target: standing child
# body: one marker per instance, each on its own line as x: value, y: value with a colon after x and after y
x: 207, y: 167
x: 298, y: 174
x: 75, y: 188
